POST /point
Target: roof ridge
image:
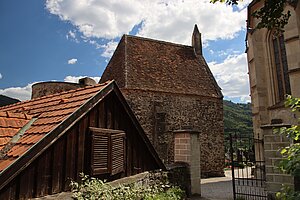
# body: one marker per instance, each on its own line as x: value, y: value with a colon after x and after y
x: 157, y: 41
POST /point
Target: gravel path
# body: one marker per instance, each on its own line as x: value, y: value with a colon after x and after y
x: 216, y: 188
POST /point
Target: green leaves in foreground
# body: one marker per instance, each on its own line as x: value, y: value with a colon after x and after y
x: 271, y: 16
x: 291, y: 154
x: 290, y: 162
x: 92, y: 188
x: 287, y: 193
x: 229, y: 2
x: 293, y: 103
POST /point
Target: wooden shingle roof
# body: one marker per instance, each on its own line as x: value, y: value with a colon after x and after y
x: 147, y: 64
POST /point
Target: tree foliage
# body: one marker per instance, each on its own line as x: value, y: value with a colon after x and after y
x: 237, y: 121
x: 287, y: 193
x: 271, y: 15
x: 291, y: 154
x: 229, y: 2
x: 290, y: 162
x: 237, y: 116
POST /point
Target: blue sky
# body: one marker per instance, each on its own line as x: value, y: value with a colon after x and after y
x: 63, y: 40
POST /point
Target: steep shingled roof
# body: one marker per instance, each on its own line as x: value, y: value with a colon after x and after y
x: 50, y: 111
x: 147, y: 64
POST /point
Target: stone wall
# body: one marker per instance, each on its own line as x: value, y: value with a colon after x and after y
x: 177, y: 174
x: 52, y: 87
x: 160, y: 114
x: 266, y: 107
x: 46, y: 88
x: 272, y: 145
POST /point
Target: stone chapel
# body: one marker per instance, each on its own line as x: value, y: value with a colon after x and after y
x: 171, y: 88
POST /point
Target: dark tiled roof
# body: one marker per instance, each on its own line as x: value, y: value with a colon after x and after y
x: 4, y: 100
x: 161, y: 66
x: 49, y: 110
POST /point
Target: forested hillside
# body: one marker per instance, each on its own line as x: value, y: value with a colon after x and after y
x: 237, y: 116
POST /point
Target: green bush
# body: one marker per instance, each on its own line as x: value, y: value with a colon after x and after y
x: 93, y: 188
x: 172, y: 193
x: 287, y: 193
x: 290, y: 162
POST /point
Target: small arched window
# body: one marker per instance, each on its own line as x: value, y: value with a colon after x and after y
x: 281, y: 79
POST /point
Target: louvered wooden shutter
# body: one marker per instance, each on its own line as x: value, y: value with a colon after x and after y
x: 100, y: 154
x: 118, y: 153
x: 108, y: 151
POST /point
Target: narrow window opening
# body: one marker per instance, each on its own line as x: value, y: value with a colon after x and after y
x: 281, y: 69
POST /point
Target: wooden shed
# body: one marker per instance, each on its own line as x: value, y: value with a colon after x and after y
x: 46, y: 142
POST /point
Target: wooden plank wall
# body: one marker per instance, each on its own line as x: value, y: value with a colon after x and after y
x: 53, y: 170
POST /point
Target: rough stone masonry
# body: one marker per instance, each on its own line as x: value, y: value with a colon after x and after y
x: 170, y: 87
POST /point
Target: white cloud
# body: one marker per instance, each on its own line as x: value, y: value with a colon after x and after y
x: 71, y: 35
x: 224, y: 52
x: 232, y: 76
x: 75, y: 79
x: 169, y: 20
x: 93, y: 42
x: 109, y: 49
x: 21, y: 93
x: 1, y: 76
x: 72, y: 61
x: 174, y: 21
x: 107, y: 19
x: 243, y: 4
x: 161, y: 19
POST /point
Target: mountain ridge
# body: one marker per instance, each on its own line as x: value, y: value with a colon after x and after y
x: 237, y: 116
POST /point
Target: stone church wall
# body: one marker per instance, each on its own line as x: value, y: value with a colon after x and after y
x: 162, y: 113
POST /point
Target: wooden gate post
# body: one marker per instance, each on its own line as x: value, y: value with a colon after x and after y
x: 187, y: 149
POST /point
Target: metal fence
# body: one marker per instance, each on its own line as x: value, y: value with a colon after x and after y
x: 247, y: 165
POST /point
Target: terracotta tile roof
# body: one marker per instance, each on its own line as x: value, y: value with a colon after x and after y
x: 147, y: 64
x: 10, y: 124
x: 49, y: 110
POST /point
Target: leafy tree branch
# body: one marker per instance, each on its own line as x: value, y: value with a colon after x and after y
x: 271, y: 16
x: 291, y: 154
x: 290, y: 162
